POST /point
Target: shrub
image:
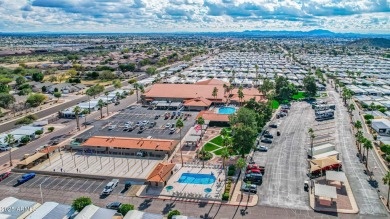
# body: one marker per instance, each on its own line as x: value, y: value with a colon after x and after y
x: 38, y: 132
x: 368, y: 117
x: 80, y: 203
x: 368, y: 122
x: 231, y: 172
x: 50, y: 129
x: 132, y: 81
x: 26, y: 120
x: 172, y: 213
x: 25, y: 139
x: 124, y: 208
x: 225, y: 196
x: 387, y: 158
x: 232, y: 167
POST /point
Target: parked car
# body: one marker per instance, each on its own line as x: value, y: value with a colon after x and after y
x: 131, y: 128
x: 113, y: 205
x: 111, y: 127
x: 139, y: 123
x: 141, y: 154
x: 168, y: 125
x: 156, y: 116
x: 117, y: 103
x: 273, y: 125
x: 5, y: 148
x: 26, y: 177
x: 152, y: 124
x: 145, y: 122
x: 249, y: 188
x: 254, y: 178
x: 141, y: 129
x: 87, y: 123
x: 266, y: 140
x: 4, y: 175
x: 268, y: 136
x: 110, y: 187
x: 262, y: 148
x: 172, y: 130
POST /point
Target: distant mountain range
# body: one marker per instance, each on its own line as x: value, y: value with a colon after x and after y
x: 371, y: 42
x: 317, y: 32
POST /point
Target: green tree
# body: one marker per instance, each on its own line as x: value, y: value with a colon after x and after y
x: 124, y: 208
x: 284, y: 89
x: 173, y: 213
x: 106, y: 75
x: 368, y: 146
x: 101, y: 105
x: 310, y: 86
x: 117, y: 84
x: 57, y: 95
x: 244, y: 127
x: 50, y: 129
x: 312, y: 136
x: 240, y: 95
x: 4, y: 88
x: 266, y: 87
x: 215, y: 93
x: 85, y: 113
x: 38, y: 76
x: 20, y: 80
x: 38, y: 132
x: 386, y: 181
x: 25, y: 139
x: 225, y: 155
x: 106, y: 94
x: 10, y: 140
x: 351, y: 108
x: 36, y: 99
x: 137, y: 87
x: 151, y: 70
x: 77, y: 111
x: 180, y: 125
x: 241, y: 164
x: 358, y: 125
x: 359, y: 139
x: 80, y: 203
x: 6, y: 100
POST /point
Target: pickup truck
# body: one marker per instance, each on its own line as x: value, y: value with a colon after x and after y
x: 110, y: 187
x: 26, y: 177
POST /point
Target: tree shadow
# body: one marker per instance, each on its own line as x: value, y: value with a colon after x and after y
x: 168, y: 207
x: 145, y: 204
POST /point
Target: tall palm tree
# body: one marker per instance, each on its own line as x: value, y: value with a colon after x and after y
x: 359, y: 139
x: 358, y: 125
x: 77, y: 111
x: 240, y: 94
x: 386, y: 181
x: 224, y: 89
x: 85, y: 113
x: 240, y: 165
x: 312, y: 136
x: 368, y: 146
x: 101, y: 105
x: 136, y: 87
x: 10, y: 139
x: 180, y: 125
x: 224, y: 155
x: 107, y: 93
x: 215, y: 93
x: 351, y: 108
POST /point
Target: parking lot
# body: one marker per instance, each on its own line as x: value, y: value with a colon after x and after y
x: 285, y: 161
x: 67, y: 184
x: 115, y: 126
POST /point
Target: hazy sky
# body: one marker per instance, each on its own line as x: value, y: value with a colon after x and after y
x: 363, y: 16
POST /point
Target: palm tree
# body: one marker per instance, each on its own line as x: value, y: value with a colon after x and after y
x: 77, y: 111
x: 10, y: 139
x: 215, y: 93
x: 240, y: 95
x: 368, y: 146
x: 386, y: 181
x: 225, y: 87
x: 351, y: 108
x: 372, y: 107
x: 240, y: 165
x: 136, y: 87
x: 85, y: 112
x: 358, y: 125
x: 360, y: 139
x: 107, y: 93
x: 312, y: 136
x: 224, y: 155
x: 180, y: 125
x: 101, y: 105
x: 118, y: 96
x: 200, y: 121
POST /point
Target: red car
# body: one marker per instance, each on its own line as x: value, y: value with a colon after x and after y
x: 4, y: 175
x: 255, y: 169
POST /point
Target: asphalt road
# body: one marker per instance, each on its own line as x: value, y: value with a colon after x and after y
x: 71, y: 126
x: 365, y: 195
x: 286, y: 165
x: 40, y: 114
x: 65, y: 190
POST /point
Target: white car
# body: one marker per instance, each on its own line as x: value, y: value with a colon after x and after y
x: 110, y: 187
x: 111, y: 127
x: 5, y: 148
x: 168, y: 125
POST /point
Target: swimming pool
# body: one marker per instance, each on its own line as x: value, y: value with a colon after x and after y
x: 226, y: 110
x: 196, y: 178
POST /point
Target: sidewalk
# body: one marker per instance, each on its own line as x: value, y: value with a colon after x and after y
x: 242, y: 198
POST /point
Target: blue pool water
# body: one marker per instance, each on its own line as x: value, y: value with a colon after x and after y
x: 196, y: 178
x: 226, y: 110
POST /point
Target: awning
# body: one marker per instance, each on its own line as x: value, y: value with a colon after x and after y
x: 193, y: 132
x: 31, y: 158
x: 192, y: 138
x: 162, y: 104
x: 325, y: 191
x: 336, y: 176
x: 327, y: 154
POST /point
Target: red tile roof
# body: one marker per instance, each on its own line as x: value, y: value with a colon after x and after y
x: 132, y: 143
x: 161, y: 172
x: 184, y: 91
x: 212, y: 116
x: 212, y: 81
x: 200, y: 101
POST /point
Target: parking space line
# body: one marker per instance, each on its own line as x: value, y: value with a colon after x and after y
x: 11, y: 180
x: 75, y: 183
x: 98, y: 186
x: 90, y: 185
x: 59, y: 183
x: 66, y: 183
x: 32, y: 184
x: 81, y: 185
x: 51, y: 182
x: 32, y: 181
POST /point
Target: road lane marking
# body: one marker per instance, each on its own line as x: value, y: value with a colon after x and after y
x: 66, y: 183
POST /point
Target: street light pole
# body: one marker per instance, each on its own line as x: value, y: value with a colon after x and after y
x: 40, y: 189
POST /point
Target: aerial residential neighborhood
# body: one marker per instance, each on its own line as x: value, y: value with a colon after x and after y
x: 194, y: 109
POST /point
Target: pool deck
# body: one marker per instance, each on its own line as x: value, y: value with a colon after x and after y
x: 196, y: 190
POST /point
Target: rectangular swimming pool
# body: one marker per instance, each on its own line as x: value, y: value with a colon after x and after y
x: 196, y: 178
x: 226, y: 110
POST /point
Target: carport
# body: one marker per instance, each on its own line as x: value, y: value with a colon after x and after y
x: 175, y: 105
x: 325, y: 194
x: 32, y: 160
x: 192, y: 139
x: 335, y: 178
x: 162, y: 105
x: 135, y: 214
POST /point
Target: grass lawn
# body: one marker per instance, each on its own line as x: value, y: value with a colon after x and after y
x: 217, y: 140
x: 228, y: 129
x: 299, y: 95
x: 218, y: 152
x: 210, y: 147
x: 275, y: 104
